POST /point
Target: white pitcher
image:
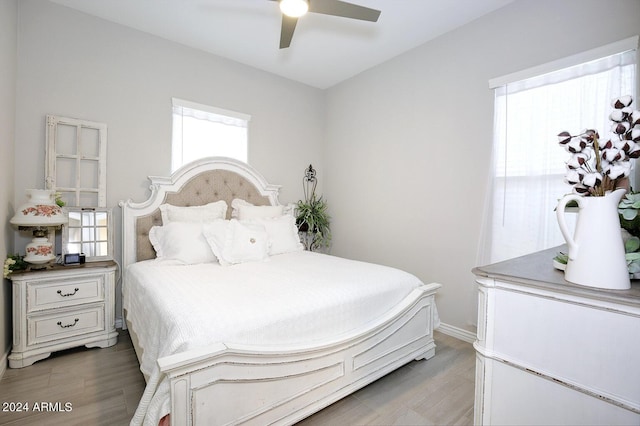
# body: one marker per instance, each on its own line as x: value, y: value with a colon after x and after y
x: 596, y: 250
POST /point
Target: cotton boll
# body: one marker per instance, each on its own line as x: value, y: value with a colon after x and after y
x: 613, y: 154
x: 620, y: 128
x: 589, y: 134
x: 621, y: 102
x: 564, y: 137
x: 634, y: 134
x: 572, y: 177
x: 581, y: 189
x: 634, y: 118
x: 616, y: 115
x: 592, y: 179
x: 619, y: 170
x: 624, y: 145
x: 634, y: 150
x: 577, y: 160
x: 575, y: 145
x: 607, y: 142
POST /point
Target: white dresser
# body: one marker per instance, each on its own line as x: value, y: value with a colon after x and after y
x: 553, y: 353
x: 60, y: 308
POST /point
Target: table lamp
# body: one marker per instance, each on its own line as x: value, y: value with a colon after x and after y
x: 39, y: 214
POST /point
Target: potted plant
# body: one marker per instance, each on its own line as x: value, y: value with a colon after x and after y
x: 312, y: 217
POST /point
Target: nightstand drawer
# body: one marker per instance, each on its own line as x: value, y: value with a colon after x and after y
x: 44, y: 328
x: 44, y: 294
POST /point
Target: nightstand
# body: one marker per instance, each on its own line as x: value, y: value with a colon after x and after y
x: 62, y: 307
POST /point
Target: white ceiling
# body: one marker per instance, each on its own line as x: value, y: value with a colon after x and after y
x: 325, y: 49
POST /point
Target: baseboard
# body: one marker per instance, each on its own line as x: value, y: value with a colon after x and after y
x: 457, y: 332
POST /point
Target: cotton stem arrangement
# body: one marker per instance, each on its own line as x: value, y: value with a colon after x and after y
x: 597, y: 165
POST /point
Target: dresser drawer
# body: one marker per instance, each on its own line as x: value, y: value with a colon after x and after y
x: 570, y: 341
x: 47, y: 294
x: 58, y: 325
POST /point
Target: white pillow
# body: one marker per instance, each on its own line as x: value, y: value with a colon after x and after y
x: 283, y: 234
x: 182, y: 241
x: 244, y: 210
x: 237, y: 242
x: 206, y: 213
x: 216, y: 235
x: 235, y: 206
x: 257, y: 212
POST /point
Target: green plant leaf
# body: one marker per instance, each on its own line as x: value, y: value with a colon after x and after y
x: 632, y: 257
x: 632, y: 244
x: 634, y: 268
x: 629, y: 214
x: 561, y: 258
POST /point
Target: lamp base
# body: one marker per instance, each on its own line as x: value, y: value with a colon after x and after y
x: 39, y: 251
x: 39, y: 267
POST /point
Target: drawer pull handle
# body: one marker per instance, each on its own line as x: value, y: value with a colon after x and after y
x: 75, y: 290
x: 68, y: 325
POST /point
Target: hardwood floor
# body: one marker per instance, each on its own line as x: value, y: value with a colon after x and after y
x: 103, y: 386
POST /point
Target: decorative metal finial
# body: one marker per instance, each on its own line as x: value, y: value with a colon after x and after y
x: 309, y: 183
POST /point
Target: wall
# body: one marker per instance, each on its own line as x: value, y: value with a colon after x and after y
x: 75, y: 65
x: 409, y: 141
x: 8, y: 59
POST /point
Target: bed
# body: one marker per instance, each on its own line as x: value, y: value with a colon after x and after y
x: 263, y: 332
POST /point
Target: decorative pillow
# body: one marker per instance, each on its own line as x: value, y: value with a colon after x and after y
x: 283, y: 234
x: 235, y: 206
x: 216, y: 235
x: 182, y: 241
x: 206, y: 213
x: 244, y: 210
x: 238, y: 242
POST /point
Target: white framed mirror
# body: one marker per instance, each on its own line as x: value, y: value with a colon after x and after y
x: 90, y: 232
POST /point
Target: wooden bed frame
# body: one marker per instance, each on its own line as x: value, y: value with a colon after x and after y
x: 232, y: 384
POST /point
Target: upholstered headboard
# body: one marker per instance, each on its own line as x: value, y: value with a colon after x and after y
x: 198, y: 183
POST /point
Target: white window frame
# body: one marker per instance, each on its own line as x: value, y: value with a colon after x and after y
x: 69, y: 158
x: 205, y: 112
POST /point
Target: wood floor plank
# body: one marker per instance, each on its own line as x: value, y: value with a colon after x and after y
x: 104, y: 387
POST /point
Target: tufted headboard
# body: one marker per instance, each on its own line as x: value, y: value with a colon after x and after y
x: 197, y: 183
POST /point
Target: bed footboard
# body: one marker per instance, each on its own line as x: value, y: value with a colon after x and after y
x: 232, y: 384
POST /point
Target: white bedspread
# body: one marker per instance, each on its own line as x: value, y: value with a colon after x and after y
x: 291, y: 299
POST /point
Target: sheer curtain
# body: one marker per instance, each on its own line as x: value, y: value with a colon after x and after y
x: 528, y: 164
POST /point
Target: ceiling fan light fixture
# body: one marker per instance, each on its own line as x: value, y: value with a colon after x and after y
x: 294, y: 8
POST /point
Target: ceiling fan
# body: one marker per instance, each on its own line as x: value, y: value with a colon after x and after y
x: 294, y: 9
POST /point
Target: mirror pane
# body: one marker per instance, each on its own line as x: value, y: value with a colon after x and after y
x: 88, y: 234
x: 88, y: 218
x: 74, y: 219
x: 73, y: 248
x: 88, y: 249
x: 102, y: 249
x: 102, y: 234
x: 101, y: 218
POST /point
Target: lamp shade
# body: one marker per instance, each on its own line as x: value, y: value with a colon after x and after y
x: 40, y: 210
x: 294, y: 8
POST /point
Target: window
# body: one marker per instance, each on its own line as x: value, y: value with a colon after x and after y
x: 203, y: 131
x: 531, y: 108
x: 76, y: 160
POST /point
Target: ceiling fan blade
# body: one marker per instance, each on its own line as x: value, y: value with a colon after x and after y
x: 344, y: 9
x: 286, y: 33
